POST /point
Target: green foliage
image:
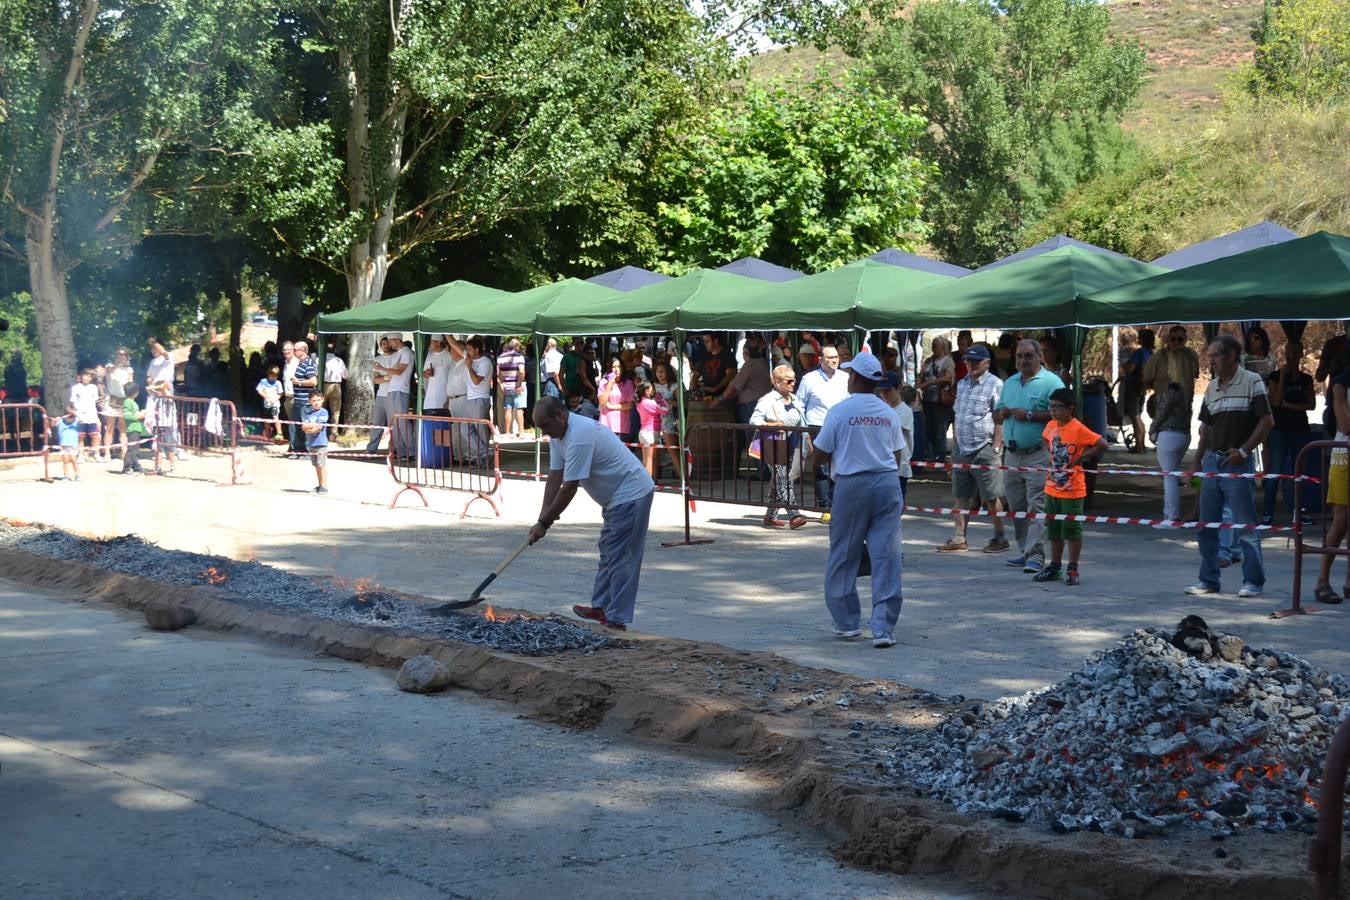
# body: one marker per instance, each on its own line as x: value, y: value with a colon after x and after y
x: 808, y: 176
x: 1303, y: 51
x: 1278, y: 162
x: 22, y: 335
x: 1024, y: 98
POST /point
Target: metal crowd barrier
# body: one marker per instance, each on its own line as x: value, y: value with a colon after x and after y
x: 723, y: 470
x: 1300, y: 548
x: 201, y: 429
x: 448, y: 453
x: 23, y: 433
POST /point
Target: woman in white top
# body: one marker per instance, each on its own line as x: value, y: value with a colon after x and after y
x: 84, y: 397
x: 118, y: 376
x: 780, y: 450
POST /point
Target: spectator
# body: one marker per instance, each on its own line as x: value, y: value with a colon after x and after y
x: 1171, y: 433
x: 750, y: 383
x: 590, y: 373
x: 457, y: 394
x: 937, y: 384
x: 650, y: 408
x: 514, y: 386
x: 1053, y: 360
x: 101, y: 382
x: 269, y: 389
x: 1069, y: 443
x: 478, y: 401
x: 861, y: 444
x: 84, y: 400
x: 569, y: 371
x: 303, y: 383
x: 1329, y: 364
x: 900, y: 397
x: 289, y: 412
x: 161, y: 414
x: 1291, y: 399
x: 582, y: 453
x: 194, y: 372
x: 1132, y: 389
x: 1257, y: 358
x: 1024, y: 411
x: 617, y: 394
x: 890, y: 360
x: 808, y: 360
x: 717, y: 367
x: 334, y: 373
x: 1004, y: 364
x: 551, y: 369
x: 583, y: 406
x: 964, y: 341
x: 119, y: 375
x: 436, y: 400
x: 393, y: 378
x: 667, y: 391
x: 1234, y: 419
x: 16, y: 379
x: 134, y: 432
x: 1338, y: 480
x: 819, y: 390
x: 316, y: 438
x: 67, y: 431
x: 977, y: 444
x: 1174, y: 364
x: 781, y: 450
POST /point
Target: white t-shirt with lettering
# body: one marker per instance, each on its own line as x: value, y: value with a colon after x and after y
x: 862, y: 434
x: 593, y: 455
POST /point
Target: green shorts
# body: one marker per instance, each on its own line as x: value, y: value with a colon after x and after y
x: 1060, y: 529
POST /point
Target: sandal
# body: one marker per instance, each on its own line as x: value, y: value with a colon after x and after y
x: 1324, y: 594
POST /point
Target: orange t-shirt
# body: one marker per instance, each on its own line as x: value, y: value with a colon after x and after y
x: 1067, y: 444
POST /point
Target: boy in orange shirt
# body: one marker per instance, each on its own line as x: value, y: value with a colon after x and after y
x: 1070, y: 443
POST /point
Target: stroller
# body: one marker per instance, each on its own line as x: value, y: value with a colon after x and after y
x: 1115, y: 420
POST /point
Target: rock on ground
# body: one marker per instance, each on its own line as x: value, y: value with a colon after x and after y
x: 423, y: 675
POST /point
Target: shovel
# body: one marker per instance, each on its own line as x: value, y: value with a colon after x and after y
x: 477, y: 596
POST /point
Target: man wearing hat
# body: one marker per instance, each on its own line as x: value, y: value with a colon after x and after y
x: 977, y: 395
x: 393, y: 375
x: 862, y: 444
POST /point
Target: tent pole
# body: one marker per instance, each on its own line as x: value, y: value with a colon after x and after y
x: 419, y: 358
x: 680, y: 337
x: 538, y: 395
x: 1115, y: 355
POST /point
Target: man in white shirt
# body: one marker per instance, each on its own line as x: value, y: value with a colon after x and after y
x: 436, y: 400
x: 393, y: 374
x: 819, y: 390
x: 478, y: 402
x: 334, y: 373
x: 583, y: 453
x: 288, y: 411
x: 862, y: 444
x: 552, y: 371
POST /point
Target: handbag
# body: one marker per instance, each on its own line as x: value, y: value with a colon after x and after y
x: 947, y: 395
x: 756, y: 449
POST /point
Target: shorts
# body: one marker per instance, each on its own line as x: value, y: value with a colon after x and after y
x: 87, y: 427
x: 647, y: 438
x: 1060, y: 529
x: 273, y: 411
x: 512, y: 400
x: 70, y: 452
x: 319, y: 457
x: 1338, y: 477
x: 986, y: 484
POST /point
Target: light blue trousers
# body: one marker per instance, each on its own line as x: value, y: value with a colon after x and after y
x: 865, y: 507
x: 1238, y: 495
x: 623, y: 538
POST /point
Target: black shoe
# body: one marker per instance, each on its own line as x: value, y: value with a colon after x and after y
x: 1267, y: 519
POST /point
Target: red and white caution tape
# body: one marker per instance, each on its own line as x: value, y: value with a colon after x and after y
x: 1095, y: 520
x: 1152, y: 473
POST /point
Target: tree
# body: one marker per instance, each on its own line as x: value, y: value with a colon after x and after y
x: 1302, y: 52
x: 809, y: 176
x: 1024, y: 99
x: 97, y: 94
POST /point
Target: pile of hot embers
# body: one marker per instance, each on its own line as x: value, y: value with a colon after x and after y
x: 1162, y: 729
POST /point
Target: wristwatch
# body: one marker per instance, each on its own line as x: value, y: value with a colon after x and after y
x: 1244, y: 452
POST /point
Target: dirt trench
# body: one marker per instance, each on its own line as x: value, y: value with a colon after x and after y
x: 788, y: 722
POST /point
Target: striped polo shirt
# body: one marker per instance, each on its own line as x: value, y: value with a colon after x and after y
x: 1230, y: 411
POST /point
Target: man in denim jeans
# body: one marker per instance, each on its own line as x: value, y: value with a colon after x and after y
x: 1235, y: 418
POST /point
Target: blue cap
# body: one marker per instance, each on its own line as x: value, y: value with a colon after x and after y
x: 977, y: 351
x: 890, y: 380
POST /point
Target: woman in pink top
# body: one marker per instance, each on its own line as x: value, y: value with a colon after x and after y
x: 617, y: 393
x: 650, y: 410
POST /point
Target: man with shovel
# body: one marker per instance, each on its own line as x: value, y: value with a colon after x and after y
x: 582, y: 452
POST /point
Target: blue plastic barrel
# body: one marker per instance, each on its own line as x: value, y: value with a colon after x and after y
x: 1094, y: 412
x: 435, y: 440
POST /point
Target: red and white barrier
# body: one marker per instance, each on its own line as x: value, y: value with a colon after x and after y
x: 1094, y: 520
x: 1153, y: 473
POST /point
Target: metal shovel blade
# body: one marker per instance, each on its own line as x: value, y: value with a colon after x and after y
x: 477, y: 596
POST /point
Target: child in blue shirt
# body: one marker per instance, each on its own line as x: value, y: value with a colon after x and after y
x: 315, y: 428
x: 269, y: 389
x: 67, y: 430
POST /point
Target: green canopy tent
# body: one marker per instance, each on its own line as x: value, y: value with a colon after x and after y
x: 400, y: 313
x: 504, y: 313
x: 1305, y: 279
x: 651, y: 308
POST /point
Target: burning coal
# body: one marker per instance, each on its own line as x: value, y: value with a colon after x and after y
x: 1144, y: 736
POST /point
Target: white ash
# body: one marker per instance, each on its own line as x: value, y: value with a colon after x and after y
x: 266, y: 587
x: 1142, y: 737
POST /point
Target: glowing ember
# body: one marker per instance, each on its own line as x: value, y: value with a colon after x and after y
x: 212, y: 575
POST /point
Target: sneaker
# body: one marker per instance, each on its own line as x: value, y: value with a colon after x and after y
x: 825, y: 518
x: 1071, y: 578
x: 996, y: 545
x: 883, y: 640
x: 1165, y: 525
x: 321, y: 490
x: 1249, y: 590
x: 1305, y: 520
x: 848, y: 633
x: 1268, y: 519
x: 1017, y: 562
x: 954, y: 546
x: 1199, y: 589
x: 1035, y: 563
x: 1049, y: 573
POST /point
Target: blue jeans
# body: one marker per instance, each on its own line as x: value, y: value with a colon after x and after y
x: 1284, y: 449
x: 623, y: 538
x: 1239, y: 494
x: 868, y: 509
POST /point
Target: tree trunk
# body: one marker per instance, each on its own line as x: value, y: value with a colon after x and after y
x: 51, y: 308
x: 290, y: 308
x: 234, y: 290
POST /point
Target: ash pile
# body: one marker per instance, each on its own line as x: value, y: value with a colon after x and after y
x: 1188, y: 728
x: 265, y: 587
